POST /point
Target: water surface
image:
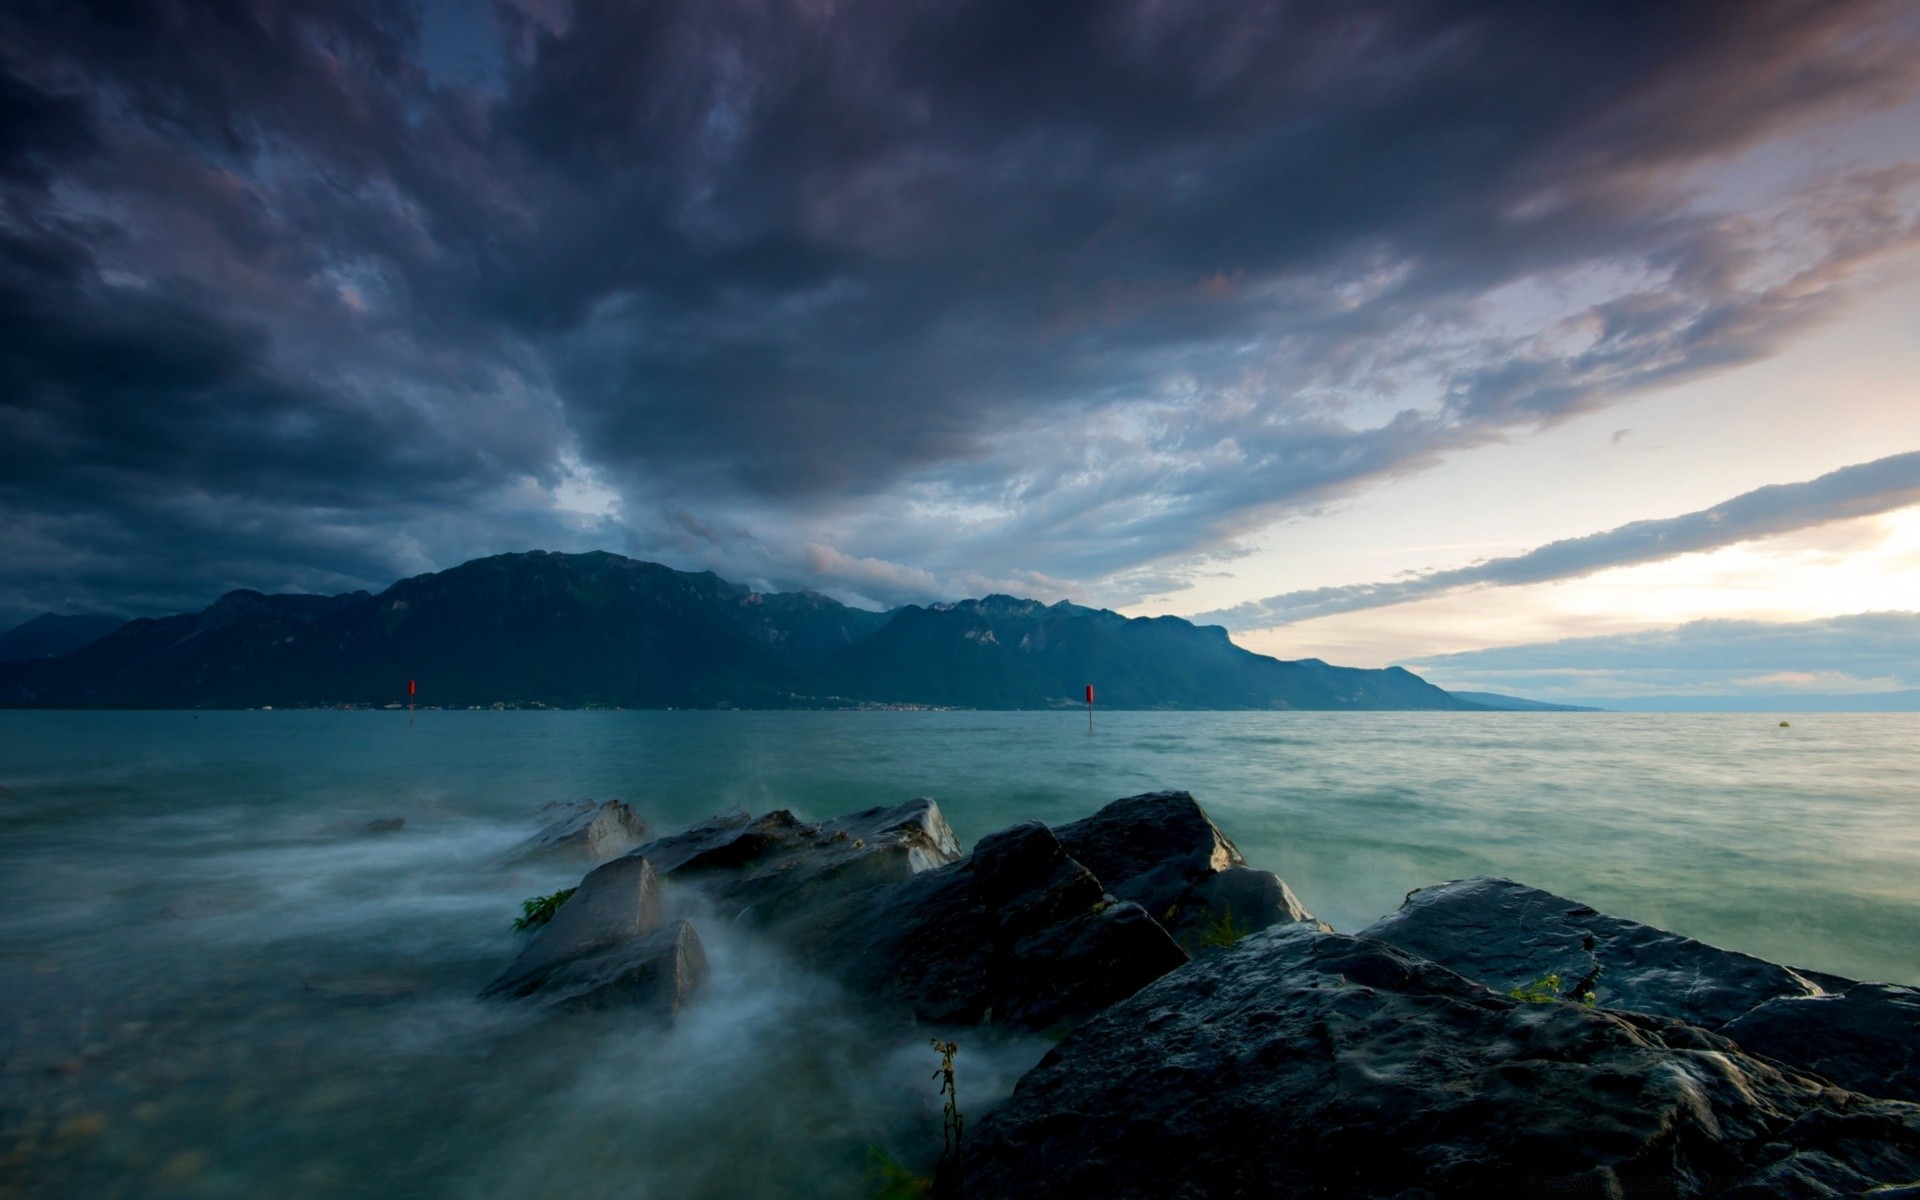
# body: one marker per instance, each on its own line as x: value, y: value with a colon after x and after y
x: 214, y: 982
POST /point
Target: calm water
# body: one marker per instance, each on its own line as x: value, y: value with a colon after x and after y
x: 213, y: 983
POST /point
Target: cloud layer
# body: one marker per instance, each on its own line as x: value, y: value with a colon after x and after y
x: 888, y: 299
x: 1864, y: 489
x: 1864, y: 653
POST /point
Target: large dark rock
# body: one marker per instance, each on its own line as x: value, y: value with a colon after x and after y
x: 614, y: 904
x: 777, y: 867
x: 1018, y: 933
x: 1307, y: 1063
x: 588, y: 831
x: 1161, y: 851
x: 1505, y: 934
x: 1867, y: 1039
x: 653, y: 973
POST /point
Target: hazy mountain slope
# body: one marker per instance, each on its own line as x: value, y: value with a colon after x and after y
x: 50, y: 635
x: 580, y: 629
x: 1006, y: 653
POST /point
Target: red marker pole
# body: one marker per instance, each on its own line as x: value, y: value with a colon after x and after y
x: 412, y: 688
x: 1089, y: 708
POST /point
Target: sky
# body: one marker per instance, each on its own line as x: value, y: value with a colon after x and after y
x: 1568, y: 350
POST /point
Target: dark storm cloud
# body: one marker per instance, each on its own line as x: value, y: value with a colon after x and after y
x: 1864, y: 489
x: 890, y: 299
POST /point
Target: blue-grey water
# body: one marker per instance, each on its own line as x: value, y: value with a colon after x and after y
x: 215, y: 983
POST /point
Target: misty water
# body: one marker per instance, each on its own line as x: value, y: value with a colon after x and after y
x: 214, y: 982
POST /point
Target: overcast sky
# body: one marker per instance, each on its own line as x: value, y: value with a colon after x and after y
x: 1376, y: 331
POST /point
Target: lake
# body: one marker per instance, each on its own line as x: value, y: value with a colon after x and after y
x: 214, y: 982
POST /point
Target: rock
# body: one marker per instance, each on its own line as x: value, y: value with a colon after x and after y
x: 776, y: 867
x: 1867, y: 1039
x: 589, y: 831
x: 1018, y: 933
x: 1161, y: 851
x: 615, y: 903
x: 1505, y: 934
x: 1302, y: 1062
x: 386, y: 825
x: 654, y: 973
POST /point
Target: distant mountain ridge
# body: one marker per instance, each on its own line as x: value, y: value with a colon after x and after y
x: 598, y: 629
x: 49, y: 635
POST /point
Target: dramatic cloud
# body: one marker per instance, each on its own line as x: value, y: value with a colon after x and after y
x: 1862, y: 490
x: 1869, y: 653
x: 875, y: 297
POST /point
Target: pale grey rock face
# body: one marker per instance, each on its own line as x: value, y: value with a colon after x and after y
x: 1306, y: 1063
x: 1505, y: 934
x: 1161, y: 851
x: 615, y: 903
x: 1866, y: 1039
x: 590, y: 832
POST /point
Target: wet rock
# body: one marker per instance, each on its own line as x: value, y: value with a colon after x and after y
x: 589, y: 831
x: 1161, y: 851
x: 653, y: 973
x: 1302, y: 1062
x: 777, y: 867
x: 615, y: 903
x: 1505, y: 934
x: 1018, y: 933
x: 386, y: 825
x: 1867, y: 1039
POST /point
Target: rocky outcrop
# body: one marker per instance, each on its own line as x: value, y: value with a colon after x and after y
x: 590, y: 832
x: 1867, y: 1038
x: 777, y: 867
x: 654, y: 973
x: 607, y: 945
x: 1301, y: 1062
x: 1018, y: 933
x: 1505, y: 934
x: 1161, y: 851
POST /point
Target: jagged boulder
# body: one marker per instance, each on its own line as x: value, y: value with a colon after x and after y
x: 1161, y: 851
x: 600, y: 935
x: 1301, y: 1062
x: 1017, y: 933
x: 1867, y: 1038
x: 777, y: 867
x: 1505, y: 934
x: 654, y: 973
x: 589, y: 831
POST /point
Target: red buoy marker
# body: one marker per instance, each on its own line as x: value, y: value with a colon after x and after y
x: 1089, y: 708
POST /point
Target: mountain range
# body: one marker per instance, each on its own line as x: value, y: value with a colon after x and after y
x: 598, y: 629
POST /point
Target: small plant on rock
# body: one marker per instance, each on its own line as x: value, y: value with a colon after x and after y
x: 1220, y: 929
x: 891, y: 1181
x: 950, y: 1176
x: 538, y: 911
x: 1546, y: 989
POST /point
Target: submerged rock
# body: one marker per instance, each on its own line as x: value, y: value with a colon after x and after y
x: 594, y: 832
x: 1302, y: 1062
x: 1018, y: 933
x: 1504, y: 934
x: 776, y: 867
x: 1161, y: 851
x: 1867, y: 1039
x: 614, y: 904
